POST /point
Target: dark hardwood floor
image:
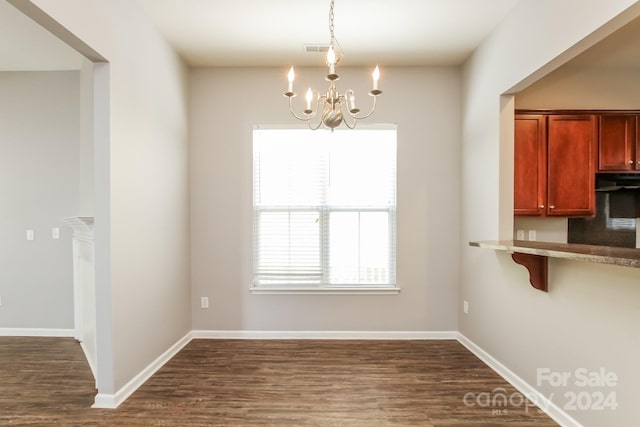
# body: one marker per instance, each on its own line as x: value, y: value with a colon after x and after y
x: 46, y: 381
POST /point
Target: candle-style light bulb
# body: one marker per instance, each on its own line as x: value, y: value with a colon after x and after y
x: 376, y: 77
x: 291, y: 76
x: 331, y: 60
x: 309, y: 98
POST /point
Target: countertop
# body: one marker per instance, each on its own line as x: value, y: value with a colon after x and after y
x: 599, y: 254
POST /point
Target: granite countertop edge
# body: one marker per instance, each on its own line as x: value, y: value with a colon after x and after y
x: 626, y: 257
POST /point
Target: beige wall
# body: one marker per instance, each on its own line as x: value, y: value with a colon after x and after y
x: 39, y: 175
x: 588, y: 318
x: 571, y: 87
x: 227, y: 103
x: 141, y: 179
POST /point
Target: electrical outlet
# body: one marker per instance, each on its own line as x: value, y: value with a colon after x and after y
x: 520, y: 235
x: 30, y: 234
x: 204, y: 302
x: 465, y: 307
x: 55, y: 233
x: 532, y: 235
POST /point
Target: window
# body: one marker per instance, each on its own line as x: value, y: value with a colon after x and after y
x: 324, y: 208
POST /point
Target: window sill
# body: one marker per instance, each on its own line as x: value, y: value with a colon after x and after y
x: 326, y: 291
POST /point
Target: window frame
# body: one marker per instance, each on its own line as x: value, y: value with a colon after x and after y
x: 324, y: 211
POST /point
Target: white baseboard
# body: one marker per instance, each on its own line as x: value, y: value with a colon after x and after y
x: 545, y: 404
x: 37, y: 332
x: 112, y: 401
x: 328, y: 335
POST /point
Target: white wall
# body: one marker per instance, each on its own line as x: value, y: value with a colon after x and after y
x: 39, y: 174
x: 86, y: 187
x: 227, y: 103
x: 142, y: 194
x: 588, y: 318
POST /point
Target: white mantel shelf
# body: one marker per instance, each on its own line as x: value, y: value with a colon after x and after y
x: 533, y: 255
x: 80, y: 223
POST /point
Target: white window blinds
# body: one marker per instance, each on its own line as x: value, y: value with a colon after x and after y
x: 324, y: 207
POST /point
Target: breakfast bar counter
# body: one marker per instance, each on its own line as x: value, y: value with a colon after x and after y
x: 533, y: 255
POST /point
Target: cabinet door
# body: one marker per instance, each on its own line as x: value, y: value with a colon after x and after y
x: 530, y: 159
x: 571, y: 165
x: 617, y: 143
x: 636, y: 153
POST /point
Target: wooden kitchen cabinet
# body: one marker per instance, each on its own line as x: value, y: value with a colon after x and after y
x: 530, y: 164
x: 618, y: 148
x: 554, y: 164
x: 571, y: 143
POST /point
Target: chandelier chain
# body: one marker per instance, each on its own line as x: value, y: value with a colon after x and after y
x: 331, y: 27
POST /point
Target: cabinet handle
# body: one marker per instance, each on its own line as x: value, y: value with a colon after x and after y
x: 552, y: 207
x: 541, y: 206
x: 630, y: 162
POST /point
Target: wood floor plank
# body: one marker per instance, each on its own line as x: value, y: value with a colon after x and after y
x: 46, y: 381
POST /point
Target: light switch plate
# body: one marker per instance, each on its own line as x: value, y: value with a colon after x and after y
x: 30, y: 234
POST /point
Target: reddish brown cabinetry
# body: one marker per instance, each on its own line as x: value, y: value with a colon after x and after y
x: 618, y: 149
x: 571, y: 143
x: 530, y: 164
x: 555, y: 162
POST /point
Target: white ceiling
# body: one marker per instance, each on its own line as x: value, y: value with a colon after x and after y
x: 26, y: 46
x: 274, y: 32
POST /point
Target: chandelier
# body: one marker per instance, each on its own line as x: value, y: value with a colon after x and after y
x: 333, y: 104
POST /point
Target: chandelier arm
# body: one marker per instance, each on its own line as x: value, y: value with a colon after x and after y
x: 303, y: 119
x: 373, y: 108
x: 344, y: 105
x: 342, y: 100
x: 349, y: 125
x: 320, y: 103
x: 314, y: 127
